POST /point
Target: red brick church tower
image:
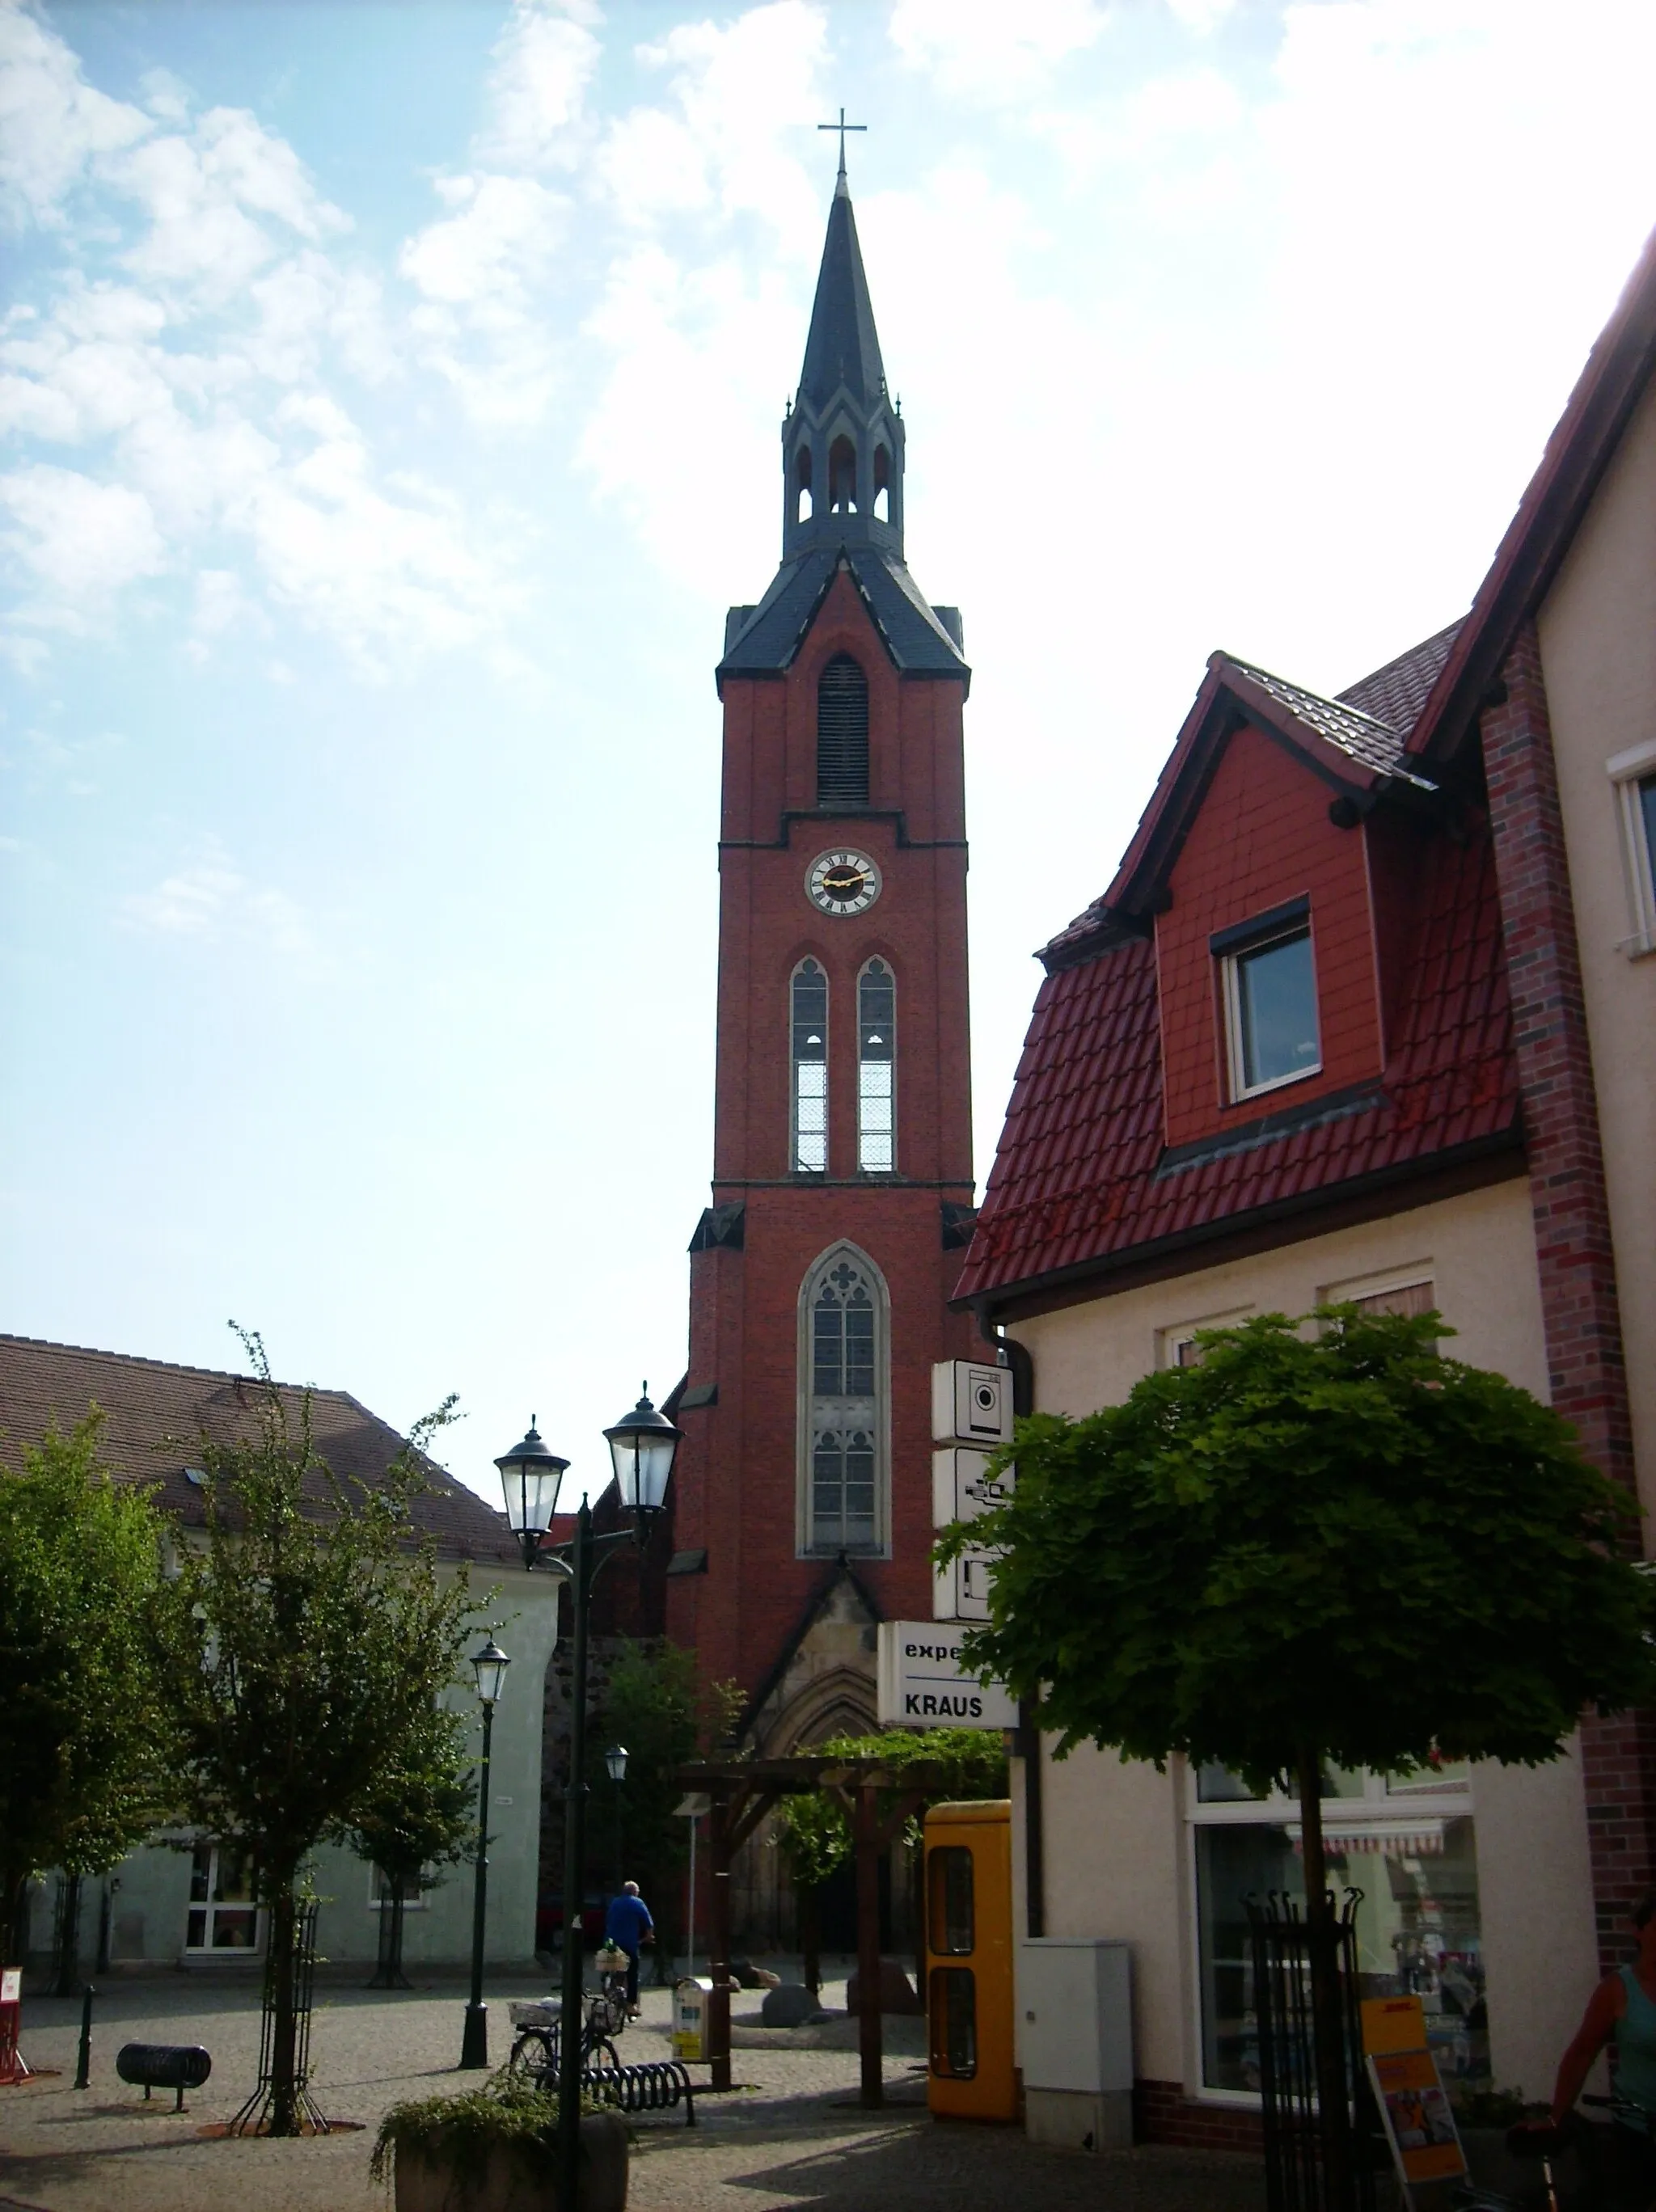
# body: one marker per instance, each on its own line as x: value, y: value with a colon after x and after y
x: 842, y: 1171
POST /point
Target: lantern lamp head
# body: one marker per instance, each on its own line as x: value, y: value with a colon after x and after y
x: 615, y: 1759
x: 530, y: 1476
x: 642, y: 1447
x: 490, y: 1665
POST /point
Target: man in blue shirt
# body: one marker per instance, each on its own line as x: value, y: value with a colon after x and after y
x: 629, y: 1924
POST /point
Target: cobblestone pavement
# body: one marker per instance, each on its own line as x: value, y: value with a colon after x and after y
x: 791, y: 2134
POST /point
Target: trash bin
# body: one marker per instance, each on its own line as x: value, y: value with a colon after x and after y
x: 690, y: 2016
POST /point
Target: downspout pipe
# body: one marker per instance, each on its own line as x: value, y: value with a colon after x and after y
x: 1009, y: 1353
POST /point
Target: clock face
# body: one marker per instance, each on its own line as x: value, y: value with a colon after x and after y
x: 842, y: 883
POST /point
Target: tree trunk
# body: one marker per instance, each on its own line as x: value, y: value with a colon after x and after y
x: 66, y: 1980
x: 285, y: 2019
x: 395, y: 1977
x: 1334, y: 2111
x: 809, y: 1905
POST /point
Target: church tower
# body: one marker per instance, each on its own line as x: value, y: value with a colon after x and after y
x: 842, y: 1171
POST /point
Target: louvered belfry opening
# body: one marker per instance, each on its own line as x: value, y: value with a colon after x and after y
x: 842, y: 734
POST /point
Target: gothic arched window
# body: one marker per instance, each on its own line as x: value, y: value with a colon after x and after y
x: 842, y: 734
x: 808, y: 1016
x: 802, y: 502
x: 876, y: 1069
x: 844, y: 1430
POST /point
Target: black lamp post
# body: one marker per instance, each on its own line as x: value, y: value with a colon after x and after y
x: 490, y: 1665
x: 643, y: 1447
x: 615, y: 1760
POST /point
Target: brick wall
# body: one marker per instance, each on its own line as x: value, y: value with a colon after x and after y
x: 1162, y: 2113
x: 1577, y: 1265
x: 1262, y: 836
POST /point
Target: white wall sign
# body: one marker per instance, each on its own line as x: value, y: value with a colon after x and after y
x: 923, y: 1685
x: 961, y: 1491
x: 971, y: 1402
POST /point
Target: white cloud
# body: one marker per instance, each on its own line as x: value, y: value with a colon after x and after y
x: 79, y: 541
x: 53, y: 122
x: 199, y: 381
x: 544, y: 63
x: 212, y: 900
x: 988, y: 52
x: 1202, y: 17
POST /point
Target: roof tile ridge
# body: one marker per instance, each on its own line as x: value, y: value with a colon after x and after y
x: 177, y: 1367
x: 1323, y: 698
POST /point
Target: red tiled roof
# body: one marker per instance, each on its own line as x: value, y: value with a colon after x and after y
x: 156, y: 1413
x: 1082, y: 1179
x: 1396, y: 692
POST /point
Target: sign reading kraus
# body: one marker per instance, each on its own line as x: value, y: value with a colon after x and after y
x: 924, y: 1685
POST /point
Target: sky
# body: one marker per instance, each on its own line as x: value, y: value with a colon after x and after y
x: 391, y: 392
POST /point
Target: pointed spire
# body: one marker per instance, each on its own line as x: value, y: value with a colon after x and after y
x: 844, y: 346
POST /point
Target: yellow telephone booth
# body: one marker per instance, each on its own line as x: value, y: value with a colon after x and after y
x: 969, y: 1961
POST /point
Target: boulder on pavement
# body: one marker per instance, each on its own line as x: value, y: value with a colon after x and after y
x: 790, y: 2005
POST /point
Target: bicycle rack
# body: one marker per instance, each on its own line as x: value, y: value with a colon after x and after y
x: 653, y: 2086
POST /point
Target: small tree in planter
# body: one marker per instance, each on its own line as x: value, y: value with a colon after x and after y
x: 1258, y: 1561
x: 814, y: 1838
x: 495, y: 2150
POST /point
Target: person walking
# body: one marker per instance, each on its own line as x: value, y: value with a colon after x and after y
x: 627, y: 1924
x: 1620, y: 2011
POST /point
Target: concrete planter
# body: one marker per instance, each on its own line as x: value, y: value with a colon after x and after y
x: 511, y: 2182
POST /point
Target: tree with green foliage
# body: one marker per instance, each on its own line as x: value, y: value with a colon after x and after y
x: 1260, y: 1559
x: 422, y: 1813
x: 87, y: 1727
x: 323, y: 1636
x: 812, y: 1828
x: 654, y: 1704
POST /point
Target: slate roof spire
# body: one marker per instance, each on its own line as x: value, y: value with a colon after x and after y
x: 843, y: 439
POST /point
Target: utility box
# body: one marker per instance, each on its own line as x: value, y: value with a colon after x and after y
x: 690, y: 2016
x: 1076, y: 2040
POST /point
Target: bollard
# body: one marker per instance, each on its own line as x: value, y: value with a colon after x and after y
x: 84, y: 2070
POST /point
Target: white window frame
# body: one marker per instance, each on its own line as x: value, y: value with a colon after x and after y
x: 862, y: 1062
x: 1626, y: 771
x: 210, y: 1907
x: 1421, y: 1274
x: 1231, y: 964
x: 806, y: 1544
x: 795, y: 1064
x: 1380, y: 1806
x: 1171, y: 1340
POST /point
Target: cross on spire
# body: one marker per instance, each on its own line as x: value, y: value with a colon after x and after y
x: 842, y: 126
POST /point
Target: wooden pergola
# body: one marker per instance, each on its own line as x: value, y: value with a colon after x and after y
x: 741, y: 1792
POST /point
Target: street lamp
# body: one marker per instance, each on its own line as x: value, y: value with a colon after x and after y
x: 489, y: 1666
x: 530, y: 1475
x: 641, y: 1450
x: 615, y: 1760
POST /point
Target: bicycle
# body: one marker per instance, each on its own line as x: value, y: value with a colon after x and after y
x: 536, y: 2052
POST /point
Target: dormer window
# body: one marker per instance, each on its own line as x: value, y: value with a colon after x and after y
x: 1268, y: 982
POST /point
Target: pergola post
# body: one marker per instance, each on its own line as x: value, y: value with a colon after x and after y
x: 866, y: 1832
x: 718, y: 2003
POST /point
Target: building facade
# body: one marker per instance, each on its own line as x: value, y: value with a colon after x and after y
x: 842, y: 1175
x: 1368, y: 1013
x: 185, y: 1900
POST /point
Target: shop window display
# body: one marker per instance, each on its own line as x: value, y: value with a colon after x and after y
x: 1406, y: 1846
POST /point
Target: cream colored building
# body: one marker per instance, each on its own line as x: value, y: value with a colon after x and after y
x: 1369, y: 1012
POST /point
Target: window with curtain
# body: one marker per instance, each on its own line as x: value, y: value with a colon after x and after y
x: 846, y: 1385
x: 876, y: 1069
x: 809, y: 1148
